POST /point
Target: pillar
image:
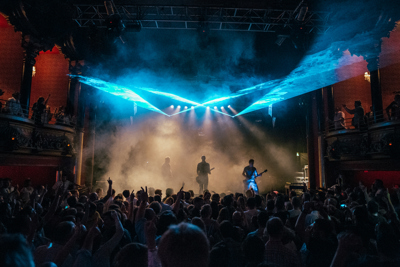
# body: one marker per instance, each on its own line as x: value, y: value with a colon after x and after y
x: 376, y: 90
x: 312, y: 140
x: 31, y: 51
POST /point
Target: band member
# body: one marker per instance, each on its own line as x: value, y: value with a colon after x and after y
x: 166, y: 169
x: 203, y: 170
x: 250, y: 172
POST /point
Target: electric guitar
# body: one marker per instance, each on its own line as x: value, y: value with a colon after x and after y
x: 253, y: 177
x: 200, y: 179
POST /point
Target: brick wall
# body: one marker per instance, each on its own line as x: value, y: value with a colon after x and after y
x: 390, y: 71
x: 51, y: 78
x: 356, y: 88
x: 10, y: 59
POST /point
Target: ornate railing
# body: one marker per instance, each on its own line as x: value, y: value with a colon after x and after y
x: 377, y: 138
x: 21, y: 135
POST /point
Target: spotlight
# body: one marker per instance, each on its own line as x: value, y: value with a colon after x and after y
x: 192, y: 107
x: 215, y: 107
x: 179, y: 106
x: 208, y: 107
x: 172, y: 106
x: 229, y: 106
x: 222, y: 107
x: 185, y: 107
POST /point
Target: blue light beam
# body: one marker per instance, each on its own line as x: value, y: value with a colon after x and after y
x: 117, y: 90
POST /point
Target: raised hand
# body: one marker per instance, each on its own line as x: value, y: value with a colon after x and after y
x: 109, y: 181
x: 144, y: 197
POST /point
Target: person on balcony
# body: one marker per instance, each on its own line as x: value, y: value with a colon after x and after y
x: 338, y: 119
x: 13, y: 106
x: 358, y: 111
x: 38, y: 109
x: 393, y: 110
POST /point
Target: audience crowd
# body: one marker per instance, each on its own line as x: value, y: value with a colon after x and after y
x: 62, y: 226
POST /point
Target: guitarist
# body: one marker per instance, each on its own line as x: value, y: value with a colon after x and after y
x: 250, y: 172
x: 203, y: 170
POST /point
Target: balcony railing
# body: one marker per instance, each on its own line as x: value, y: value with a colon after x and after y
x: 57, y: 117
x: 372, y: 138
x: 367, y: 122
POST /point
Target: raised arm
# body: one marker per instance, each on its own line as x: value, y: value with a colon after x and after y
x: 351, y: 111
x: 178, y: 201
x: 144, y: 197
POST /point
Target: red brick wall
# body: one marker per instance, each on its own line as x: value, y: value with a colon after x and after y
x: 356, y: 88
x: 390, y: 71
x: 51, y: 78
x: 10, y: 59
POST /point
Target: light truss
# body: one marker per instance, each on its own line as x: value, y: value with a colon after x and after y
x: 213, y: 18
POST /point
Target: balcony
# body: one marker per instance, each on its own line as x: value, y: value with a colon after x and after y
x: 370, y: 141
x: 21, y: 135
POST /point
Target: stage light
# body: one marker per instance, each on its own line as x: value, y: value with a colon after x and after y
x: 215, y: 107
x: 179, y: 106
x: 208, y: 107
x: 172, y: 106
x: 185, y: 107
x: 192, y: 107
x: 297, y: 154
x: 229, y: 106
x: 222, y: 107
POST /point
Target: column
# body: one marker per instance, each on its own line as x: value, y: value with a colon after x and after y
x: 31, y: 51
x: 312, y: 140
x: 376, y: 91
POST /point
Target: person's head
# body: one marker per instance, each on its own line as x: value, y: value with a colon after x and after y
x: 15, y: 252
x: 157, y: 198
x: 227, y: 200
x: 226, y: 228
x: 126, y: 193
x: 99, y: 191
x: 40, y: 100
x: 158, y: 192
x: 198, y: 202
x: 223, y: 215
x: 184, y: 245
x: 206, y: 211
x: 262, y: 219
x: 63, y: 232
x: 203, y: 158
x: 166, y: 219
x: 72, y: 201
x: 357, y: 103
x: 251, y: 162
x: 275, y: 228
x: 132, y: 253
x: 253, y: 249
x: 93, y: 197
x: 280, y: 203
x: 199, y: 223
x: 360, y: 215
x: 16, y: 95
x: 296, y: 202
x: 169, y: 192
x: 337, y: 109
x: 378, y: 184
x: 156, y: 206
x: 270, y: 205
x: 251, y: 203
x: 167, y: 160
